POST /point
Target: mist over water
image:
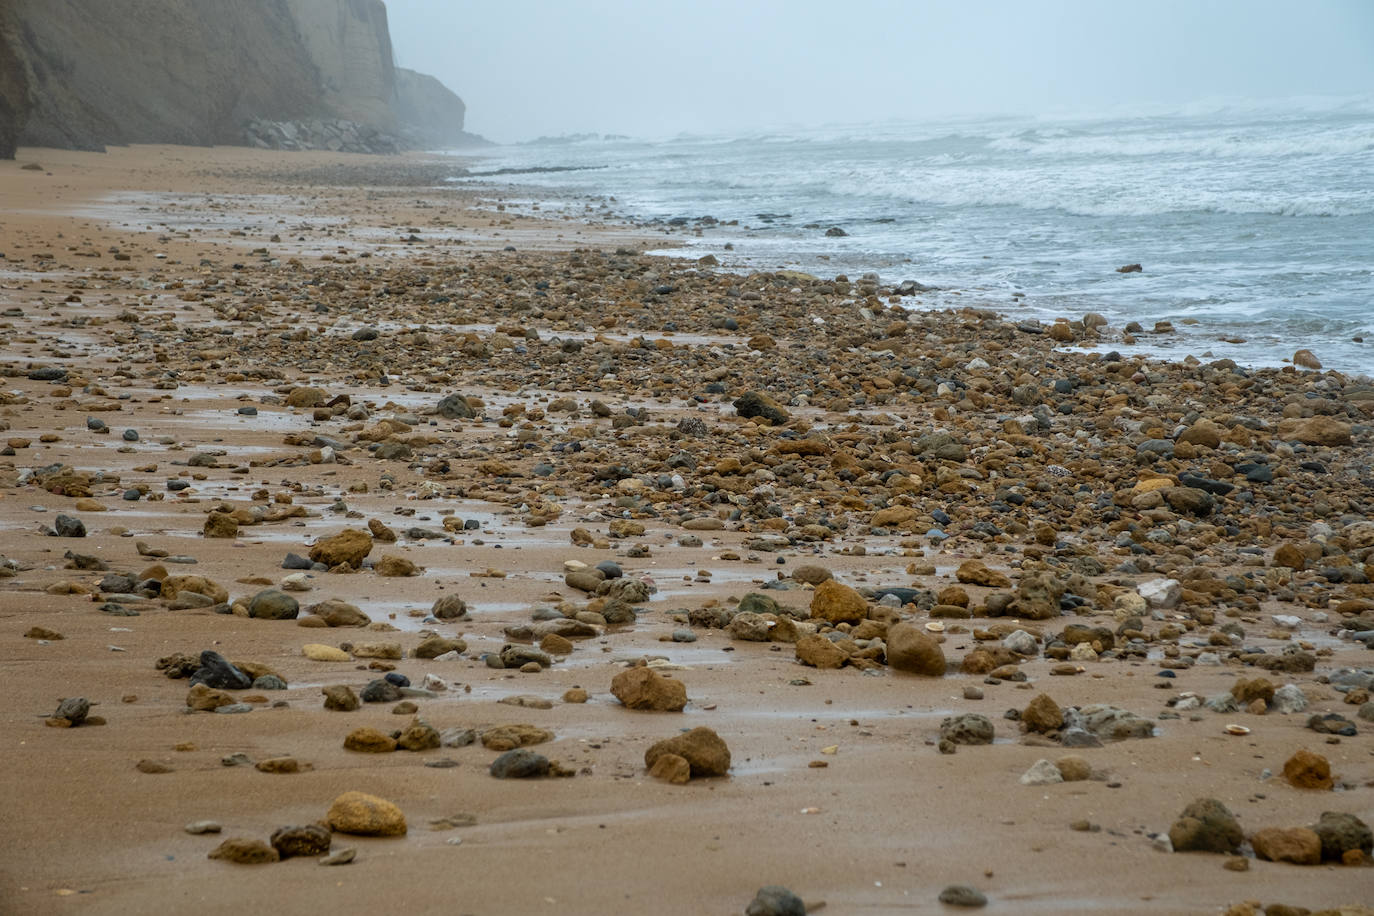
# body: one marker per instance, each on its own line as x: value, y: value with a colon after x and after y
x: 1255, y: 222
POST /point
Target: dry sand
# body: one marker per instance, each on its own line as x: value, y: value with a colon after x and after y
x: 885, y: 825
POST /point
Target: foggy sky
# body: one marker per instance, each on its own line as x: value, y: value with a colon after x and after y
x: 656, y: 68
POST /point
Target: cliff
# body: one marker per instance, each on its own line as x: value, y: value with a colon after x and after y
x: 430, y: 114
x: 82, y: 74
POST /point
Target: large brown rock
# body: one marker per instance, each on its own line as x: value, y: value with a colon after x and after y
x: 220, y: 525
x: 1206, y: 825
x: 509, y: 737
x: 172, y: 586
x: 836, y: 602
x: 347, y: 548
x: 338, y: 613
x: 913, y: 651
x: 1042, y: 715
x: 1297, y: 845
x: 1037, y: 596
x: 701, y: 747
x: 645, y: 688
x: 207, y: 699
x: 1316, y: 431
x: 976, y: 572
x: 369, y: 741
x: 306, y: 396
x: 366, y: 815
x: 1307, y: 770
x: 819, y: 652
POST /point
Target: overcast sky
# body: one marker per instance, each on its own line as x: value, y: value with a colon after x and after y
x: 656, y: 68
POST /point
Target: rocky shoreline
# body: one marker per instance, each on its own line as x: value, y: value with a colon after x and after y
x: 728, y: 553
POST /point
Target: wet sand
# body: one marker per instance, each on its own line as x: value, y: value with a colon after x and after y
x: 176, y: 286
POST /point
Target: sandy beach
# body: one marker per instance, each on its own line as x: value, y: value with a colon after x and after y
x: 216, y: 358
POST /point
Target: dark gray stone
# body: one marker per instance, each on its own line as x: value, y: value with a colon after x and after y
x: 775, y: 900
x: 216, y: 671
x: 520, y: 763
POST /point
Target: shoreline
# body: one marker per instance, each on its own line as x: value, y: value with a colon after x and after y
x: 604, y: 428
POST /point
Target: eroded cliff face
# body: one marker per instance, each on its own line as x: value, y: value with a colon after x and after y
x: 82, y: 74
x: 430, y: 114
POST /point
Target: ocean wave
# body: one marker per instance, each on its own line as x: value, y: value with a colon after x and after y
x: 1353, y: 141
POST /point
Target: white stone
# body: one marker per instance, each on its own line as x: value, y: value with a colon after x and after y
x: 1161, y: 593
x: 1287, y: 621
x: 1042, y: 773
x: 1020, y: 642
x: 1288, y: 699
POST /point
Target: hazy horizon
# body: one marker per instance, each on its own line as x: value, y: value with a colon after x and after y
x: 527, y: 69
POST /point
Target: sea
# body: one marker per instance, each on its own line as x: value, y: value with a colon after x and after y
x: 1253, y: 223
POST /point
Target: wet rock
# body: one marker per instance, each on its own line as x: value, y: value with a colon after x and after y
x: 645, y: 688
x: 702, y: 748
x: 520, y: 764
x: 308, y: 840
x: 380, y: 691
x: 1206, y: 825
x: 449, y: 607
x: 1341, y: 833
x: 819, y: 652
x: 775, y: 900
x: 365, y: 815
x: 811, y: 574
x: 455, y: 407
x: 757, y: 404
x: 435, y: 646
x: 273, y: 604
x: 1042, y: 715
x: 1307, y: 770
x: 216, y: 671
x: 392, y: 566
x: 835, y: 602
x: 369, y: 741
x: 66, y: 526
x: 1297, y: 845
x: 338, y: 613
x: 418, y: 736
x: 967, y: 728
x: 1332, y: 724
x: 244, y: 851
x: 1111, y: 723
x: 347, y: 548
x: 962, y: 895
x: 74, y: 710
x: 911, y: 650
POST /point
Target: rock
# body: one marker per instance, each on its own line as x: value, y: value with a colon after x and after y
x: 278, y: 765
x: 520, y: 764
x: 1331, y: 724
x: 810, y: 574
x: 340, y: 857
x: 273, y: 604
x: 1111, y: 723
x: 1042, y: 715
x: 1042, y: 773
x: 671, y: 768
x: 244, y: 851
x: 775, y: 900
x: 321, y: 653
x: 220, y: 525
x: 455, y: 407
x: 1020, y: 642
x: 309, y: 840
x: 835, y: 602
x: 390, y: 651
x: 306, y: 397
x: 645, y: 688
x: 975, y: 572
x: 514, y: 656
x: 757, y: 404
x: 749, y: 627
x: 819, y: 652
x: 508, y: 737
x: 449, y: 607
x: 418, y: 736
x: 435, y: 646
x: 337, y: 613
x: 1037, y: 596
x: 1297, y: 845
x: 197, y: 828
x: 65, y: 526
x: 962, y: 895
x: 392, y: 566
x: 1073, y: 768
x: 1162, y: 594
x: 1307, y: 770
x: 1319, y: 430
x: 1288, y: 699
x: 174, y: 586
x: 205, y: 699
x: 1306, y: 359
x: 1246, y: 691
x: 369, y: 741
x: 365, y: 815
x: 380, y: 691
x: 701, y: 747
x: 967, y: 728
x: 1340, y: 833
x: 911, y: 650
x: 347, y: 548
x: 73, y: 709
x: 1206, y: 825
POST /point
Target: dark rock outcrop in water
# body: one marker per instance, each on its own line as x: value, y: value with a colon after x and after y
x: 81, y: 74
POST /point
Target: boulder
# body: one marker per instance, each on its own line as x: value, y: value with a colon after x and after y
x: 1297, y: 845
x: 835, y: 602
x: 449, y: 607
x: 819, y: 652
x: 1206, y: 825
x: 273, y: 604
x: 911, y: 650
x: 967, y: 728
x: 347, y: 548
x: 645, y: 688
x: 1341, y: 833
x: 1324, y: 431
x: 365, y: 815
x: 1042, y: 715
x: 976, y: 572
x: 307, y: 840
x: 704, y: 750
